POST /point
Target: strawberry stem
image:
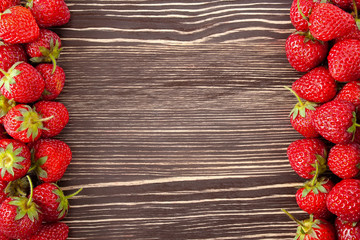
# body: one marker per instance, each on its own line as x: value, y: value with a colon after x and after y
x: 313, y: 181
x: 301, y: 13
x: 74, y: 194
x: 292, y: 217
x: 54, y: 63
x: 45, y: 119
x: 31, y: 191
x: 355, y: 9
x: 293, y: 92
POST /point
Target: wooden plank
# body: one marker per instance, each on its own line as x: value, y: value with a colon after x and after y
x: 179, y: 119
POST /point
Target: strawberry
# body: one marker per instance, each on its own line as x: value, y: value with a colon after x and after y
x: 303, y: 155
x: 300, y: 117
x: 3, y: 237
x: 304, y: 52
x: 298, y: 21
x: 24, y: 123
x: 346, y: 5
x: 22, y: 82
x: 5, y: 106
x: 313, y: 229
x: 51, y: 231
x: 49, y: 13
x: 344, y: 60
x: 344, y: 160
x: 344, y: 200
x: 311, y: 197
x: 17, y: 25
x: 316, y: 86
x: 15, y: 159
x: 52, y: 201
x: 350, y: 92
x: 58, y: 114
x: 3, y: 194
x: 11, y: 54
x: 19, y: 217
x: 51, y: 158
x: 54, y: 82
x: 328, y: 22
x: 46, y: 48
x: 346, y: 230
x: 353, y: 34
x: 5, y: 4
x: 336, y: 121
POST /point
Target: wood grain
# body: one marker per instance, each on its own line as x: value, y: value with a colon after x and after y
x: 179, y: 119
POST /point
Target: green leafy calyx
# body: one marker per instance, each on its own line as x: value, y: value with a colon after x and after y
x: 352, y: 128
x: 29, y: 4
x: 49, y: 54
x: 306, y: 227
x: 17, y: 188
x: 316, y: 188
x: 6, y: 105
x: 31, y: 121
x: 10, y: 159
x: 300, y: 107
x: 26, y: 206
x: 63, y: 206
x: 9, y: 77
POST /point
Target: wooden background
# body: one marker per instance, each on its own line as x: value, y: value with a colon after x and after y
x: 179, y: 119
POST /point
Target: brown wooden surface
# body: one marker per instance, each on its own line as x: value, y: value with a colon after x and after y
x: 179, y: 119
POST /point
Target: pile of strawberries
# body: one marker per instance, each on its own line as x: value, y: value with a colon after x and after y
x: 31, y: 160
x: 326, y: 48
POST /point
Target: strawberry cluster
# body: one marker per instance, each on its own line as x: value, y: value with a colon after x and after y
x: 32, y: 161
x: 326, y: 48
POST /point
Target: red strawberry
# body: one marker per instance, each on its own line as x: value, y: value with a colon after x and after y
x: 51, y: 159
x: 22, y: 82
x: 350, y: 92
x: 46, y: 48
x: 316, y: 86
x: 346, y: 230
x: 3, y: 194
x: 54, y: 82
x: 312, y: 197
x: 328, y: 22
x: 346, y: 5
x: 336, y: 121
x: 344, y: 200
x: 19, y: 217
x: 299, y: 22
x: 3, y: 237
x: 57, y: 112
x: 52, y: 201
x: 300, y: 117
x: 313, y: 229
x: 344, y: 160
x: 303, y: 155
x: 15, y: 159
x: 17, y: 25
x: 11, y: 54
x: 51, y: 231
x: 353, y: 34
x: 49, y: 13
x: 304, y: 54
x: 344, y: 60
x: 23, y: 123
x: 5, y: 4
